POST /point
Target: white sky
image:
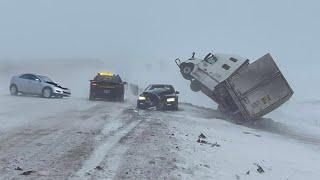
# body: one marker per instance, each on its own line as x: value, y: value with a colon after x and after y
x: 146, y: 31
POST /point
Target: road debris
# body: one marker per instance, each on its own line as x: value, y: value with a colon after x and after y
x: 260, y: 169
x: 215, y: 145
x: 246, y: 132
x: 99, y: 168
x: 237, y: 177
x: 202, y: 136
x: 26, y: 173
x: 18, y: 168
x: 202, y: 141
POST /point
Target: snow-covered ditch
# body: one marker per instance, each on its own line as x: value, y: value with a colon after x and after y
x: 232, y: 151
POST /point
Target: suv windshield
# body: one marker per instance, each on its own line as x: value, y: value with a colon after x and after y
x: 163, y: 88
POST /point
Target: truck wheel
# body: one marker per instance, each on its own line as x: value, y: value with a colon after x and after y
x: 13, y: 90
x: 195, y: 86
x: 47, y: 92
x: 186, y: 69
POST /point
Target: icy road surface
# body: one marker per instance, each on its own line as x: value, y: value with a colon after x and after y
x: 75, y: 139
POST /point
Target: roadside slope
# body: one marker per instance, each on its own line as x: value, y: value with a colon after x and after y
x: 232, y: 151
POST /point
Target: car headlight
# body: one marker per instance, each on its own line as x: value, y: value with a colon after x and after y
x: 142, y: 98
x: 171, y: 99
x: 57, y: 90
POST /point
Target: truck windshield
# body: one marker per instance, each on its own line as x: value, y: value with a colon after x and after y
x: 210, y: 58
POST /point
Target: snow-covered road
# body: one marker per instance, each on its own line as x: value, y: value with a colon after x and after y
x: 77, y: 139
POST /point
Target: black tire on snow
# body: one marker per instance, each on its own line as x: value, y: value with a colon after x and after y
x: 47, y: 90
x: 14, y: 90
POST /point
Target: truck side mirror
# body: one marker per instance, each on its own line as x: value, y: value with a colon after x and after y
x: 177, y: 92
x: 125, y: 83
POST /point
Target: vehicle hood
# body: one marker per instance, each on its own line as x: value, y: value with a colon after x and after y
x: 160, y: 93
x: 56, y: 85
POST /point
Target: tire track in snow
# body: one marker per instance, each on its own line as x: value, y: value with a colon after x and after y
x: 112, y: 134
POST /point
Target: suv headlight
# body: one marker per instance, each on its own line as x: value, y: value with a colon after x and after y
x: 142, y: 98
x: 171, y: 99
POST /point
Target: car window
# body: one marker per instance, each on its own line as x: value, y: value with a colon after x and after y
x: 33, y: 77
x: 25, y: 76
x: 29, y: 77
x: 45, y: 79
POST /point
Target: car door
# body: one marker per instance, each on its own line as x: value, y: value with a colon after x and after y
x: 34, y: 85
x: 22, y: 83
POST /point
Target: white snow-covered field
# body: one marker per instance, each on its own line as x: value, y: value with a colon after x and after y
x: 292, y: 154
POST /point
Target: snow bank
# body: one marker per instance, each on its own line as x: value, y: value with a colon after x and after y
x: 241, y: 148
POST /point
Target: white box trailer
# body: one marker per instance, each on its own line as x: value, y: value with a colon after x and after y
x: 243, y: 91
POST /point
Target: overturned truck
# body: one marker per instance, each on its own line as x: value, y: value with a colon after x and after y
x: 243, y: 90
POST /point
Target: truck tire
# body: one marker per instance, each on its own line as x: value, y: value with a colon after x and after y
x: 186, y: 69
x: 195, y: 86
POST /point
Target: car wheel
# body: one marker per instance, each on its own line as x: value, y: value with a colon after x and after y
x: 186, y: 69
x: 47, y: 92
x: 13, y: 90
x: 195, y: 86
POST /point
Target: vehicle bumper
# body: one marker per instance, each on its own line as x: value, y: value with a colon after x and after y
x: 61, y: 92
x: 102, y: 93
x: 160, y: 106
